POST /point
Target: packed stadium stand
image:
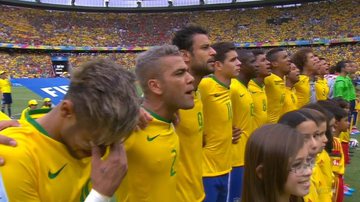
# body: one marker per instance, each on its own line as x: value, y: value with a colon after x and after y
x: 36, y: 27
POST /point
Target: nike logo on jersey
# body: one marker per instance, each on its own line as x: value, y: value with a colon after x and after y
x: 54, y: 175
x: 242, y: 95
x: 150, y: 139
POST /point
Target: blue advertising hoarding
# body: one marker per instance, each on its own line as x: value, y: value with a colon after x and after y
x: 54, y: 88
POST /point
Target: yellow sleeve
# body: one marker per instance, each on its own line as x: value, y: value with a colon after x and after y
x: 4, y: 117
x: 19, y: 173
x: 22, y: 117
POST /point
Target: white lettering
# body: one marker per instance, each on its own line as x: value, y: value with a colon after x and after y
x: 60, y: 90
x: 49, y: 91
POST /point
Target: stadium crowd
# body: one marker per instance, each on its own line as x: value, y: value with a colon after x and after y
x: 332, y: 19
x: 38, y: 65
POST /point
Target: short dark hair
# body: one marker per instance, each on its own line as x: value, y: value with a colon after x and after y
x: 332, y: 70
x: 272, y: 54
x: 221, y: 49
x: 299, y: 58
x: 183, y: 38
x: 340, y: 65
x: 257, y: 52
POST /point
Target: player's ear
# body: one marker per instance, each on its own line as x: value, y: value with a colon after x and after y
x: 186, y: 55
x: 218, y: 65
x: 67, y: 109
x: 259, y: 171
x: 155, y: 86
x: 274, y: 64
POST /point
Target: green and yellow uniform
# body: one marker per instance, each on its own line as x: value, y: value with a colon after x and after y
x: 189, y: 184
x: 34, y: 113
x: 291, y: 100
x: 322, y: 89
x: 260, y: 103
x: 275, y: 93
x: 41, y: 168
x: 243, y: 110
x: 218, y: 119
x: 303, y: 91
x: 152, y: 156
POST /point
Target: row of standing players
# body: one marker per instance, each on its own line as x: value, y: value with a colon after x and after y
x: 215, y: 117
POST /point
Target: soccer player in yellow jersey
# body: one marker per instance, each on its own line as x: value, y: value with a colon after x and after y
x: 152, y: 153
x: 291, y: 101
x: 275, y: 84
x: 32, y: 104
x: 198, y: 55
x: 243, y: 110
x: 256, y: 87
x: 305, y: 60
x: 218, y: 119
x: 321, y: 85
x: 47, y: 103
x: 50, y: 161
x: 5, y: 88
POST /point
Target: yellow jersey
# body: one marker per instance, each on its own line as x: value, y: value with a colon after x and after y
x: 337, y: 157
x: 345, y: 136
x: 218, y: 118
x: 243, y: 110
x: 322, y: 89
x: 312, y: 196
x: 41, y: 168
x: 45, y: 107
x: 275, y: 93
x: 5, y: 85
x: 303, y: 90
x: 4, y: 117
x: 189, y: 186
x: 291, y: 100
x: 260, y: 103
x: 325, y: 178
x: 152, y: 156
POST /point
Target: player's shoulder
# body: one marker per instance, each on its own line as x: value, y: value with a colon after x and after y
x: 25, y: 141
x: 206, y: 80
x: 205, y: 83
x: 271, y: 78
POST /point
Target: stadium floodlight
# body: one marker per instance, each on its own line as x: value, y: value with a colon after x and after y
x: 170, y: 3
x: 73, y: 2
x: 138, y: 2
x: 106, y: 3
x: 202, y: 2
